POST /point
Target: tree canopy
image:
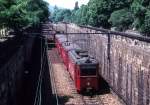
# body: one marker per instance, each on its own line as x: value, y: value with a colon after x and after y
x: 61, y: 15
x: 122, y: 14
x: 17, y: 14
x: 122, y: 19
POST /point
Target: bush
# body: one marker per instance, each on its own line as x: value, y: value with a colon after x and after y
x: 122, y: 19
x: 17, y: 14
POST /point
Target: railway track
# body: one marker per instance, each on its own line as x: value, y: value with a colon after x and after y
x: 64, y: 87
x: 86, y: 100
x: 52, y: 78
x: 91, y: 100
x: 79, y: 99
x: 45, y: 32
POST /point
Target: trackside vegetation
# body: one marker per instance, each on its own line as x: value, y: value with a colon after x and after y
x: 17, y: 14
x: 122, y: 14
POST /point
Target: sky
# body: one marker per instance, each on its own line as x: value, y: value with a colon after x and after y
x: 66, y: 3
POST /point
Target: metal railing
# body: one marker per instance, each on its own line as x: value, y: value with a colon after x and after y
x: 38, y: 96
x: 52, y: 78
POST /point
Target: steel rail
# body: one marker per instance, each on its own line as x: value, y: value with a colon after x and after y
x: 38, y: 89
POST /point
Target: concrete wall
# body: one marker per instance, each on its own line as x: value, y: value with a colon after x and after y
x: 124, y: 62
x: 11, y: 74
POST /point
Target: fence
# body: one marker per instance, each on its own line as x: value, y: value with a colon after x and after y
x: 44, y: 94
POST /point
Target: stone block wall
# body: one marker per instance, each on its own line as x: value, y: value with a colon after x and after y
x: 124, y: 62
x: 11, y: 74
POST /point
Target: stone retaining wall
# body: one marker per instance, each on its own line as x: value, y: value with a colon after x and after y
x: 124, y: 62
x: 11, y: 74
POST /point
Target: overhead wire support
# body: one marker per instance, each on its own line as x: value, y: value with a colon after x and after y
x: 70, y: 33
x: 79, y: 33
x: 108, y: 46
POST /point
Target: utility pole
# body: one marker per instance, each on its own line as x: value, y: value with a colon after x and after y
x: 66, y: 34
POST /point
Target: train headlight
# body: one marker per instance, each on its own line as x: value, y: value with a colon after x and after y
x: 88, y: 83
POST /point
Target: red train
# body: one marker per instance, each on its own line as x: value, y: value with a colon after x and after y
x: 81, y: 66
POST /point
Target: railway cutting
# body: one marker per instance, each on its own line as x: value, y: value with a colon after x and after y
x: 63, y: 84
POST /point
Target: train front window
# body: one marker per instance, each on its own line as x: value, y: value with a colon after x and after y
x: 88, y: 71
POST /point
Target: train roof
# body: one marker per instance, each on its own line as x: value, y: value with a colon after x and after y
x: 61, y: 37
x: 70, y: 46
x: 82, y: 57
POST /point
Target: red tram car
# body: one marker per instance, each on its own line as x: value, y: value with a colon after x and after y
x: 82, y: 68
x: 66, y: 48
x: 59, y: 39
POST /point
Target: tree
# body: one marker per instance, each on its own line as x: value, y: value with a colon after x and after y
x: 61, y: 15
x: 17, y: 14
x: 76, y: 6
x: 122, y: 19
x: 122, y: 14
x: 81, y: 15
x: 66, y: 15
x: 141, y: 11
x: 98, y: 13
x: 145, y: 28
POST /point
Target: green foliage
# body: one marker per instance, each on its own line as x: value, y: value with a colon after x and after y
x: 122, y: 19
x: 145, y: 28
x: 61, y: 15
x: 17, y: 14
x: 141, y: 11
x: 123, y: 14
x: 80, y: 14
x: 97, y: 12
x: 100, y: 11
